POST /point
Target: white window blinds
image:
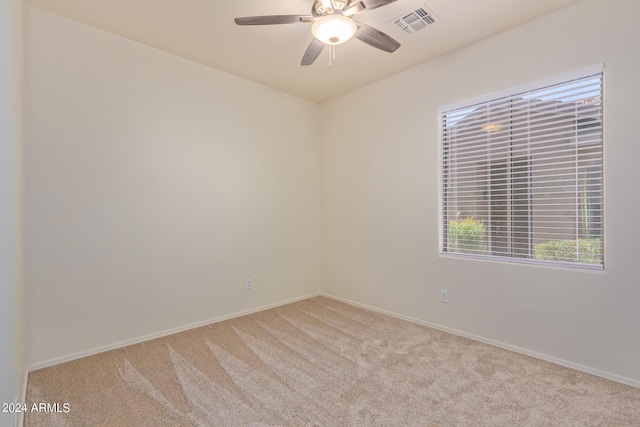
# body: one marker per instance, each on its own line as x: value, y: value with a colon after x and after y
x: 522, y: 175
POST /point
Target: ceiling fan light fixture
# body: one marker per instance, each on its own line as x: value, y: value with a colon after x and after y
x: 334, y: 29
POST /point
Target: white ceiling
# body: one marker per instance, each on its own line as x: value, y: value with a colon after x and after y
x: 204, y: 31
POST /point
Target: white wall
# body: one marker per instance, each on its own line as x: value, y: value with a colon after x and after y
x: 154, y: 187
x: 12, y: 366
x: 380, y: 197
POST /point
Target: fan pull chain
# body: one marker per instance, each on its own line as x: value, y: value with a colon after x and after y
x: 332, y: 54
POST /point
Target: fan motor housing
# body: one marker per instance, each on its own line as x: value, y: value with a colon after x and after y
x: 327, y: 7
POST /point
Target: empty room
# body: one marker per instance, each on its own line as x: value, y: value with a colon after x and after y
x: 319, y: 213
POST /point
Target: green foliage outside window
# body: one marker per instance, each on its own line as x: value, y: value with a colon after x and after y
x: 466, y: 236
x: 587, y: 251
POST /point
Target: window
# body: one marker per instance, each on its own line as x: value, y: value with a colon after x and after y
x: 522, y: 174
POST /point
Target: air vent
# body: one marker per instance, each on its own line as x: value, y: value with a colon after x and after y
x: 416, y: 20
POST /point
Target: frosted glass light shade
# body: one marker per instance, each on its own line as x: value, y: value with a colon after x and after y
x: 334, y: 29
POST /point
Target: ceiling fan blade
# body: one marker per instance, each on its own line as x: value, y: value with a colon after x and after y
x: 313, y: 51
x: 359, y: 6
x: 376, y: 38
x: 273, y: 19
x: 374, y: 4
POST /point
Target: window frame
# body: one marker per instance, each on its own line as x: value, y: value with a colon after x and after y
x: 496, y: 95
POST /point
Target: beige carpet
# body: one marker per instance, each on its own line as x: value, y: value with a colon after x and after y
x: 320, y: 362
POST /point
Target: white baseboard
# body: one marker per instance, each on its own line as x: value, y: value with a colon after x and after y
x: 567, y: 364
x: 137, y: 340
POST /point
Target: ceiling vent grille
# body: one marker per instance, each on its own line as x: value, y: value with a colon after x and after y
x: 415, y: 20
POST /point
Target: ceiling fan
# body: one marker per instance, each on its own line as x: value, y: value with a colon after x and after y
x: 332, y: 24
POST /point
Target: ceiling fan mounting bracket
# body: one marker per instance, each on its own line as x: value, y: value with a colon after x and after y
x: 329, y: 7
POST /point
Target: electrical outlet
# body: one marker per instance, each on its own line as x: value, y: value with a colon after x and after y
x: 444, y: 296
x: 249, y: 284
